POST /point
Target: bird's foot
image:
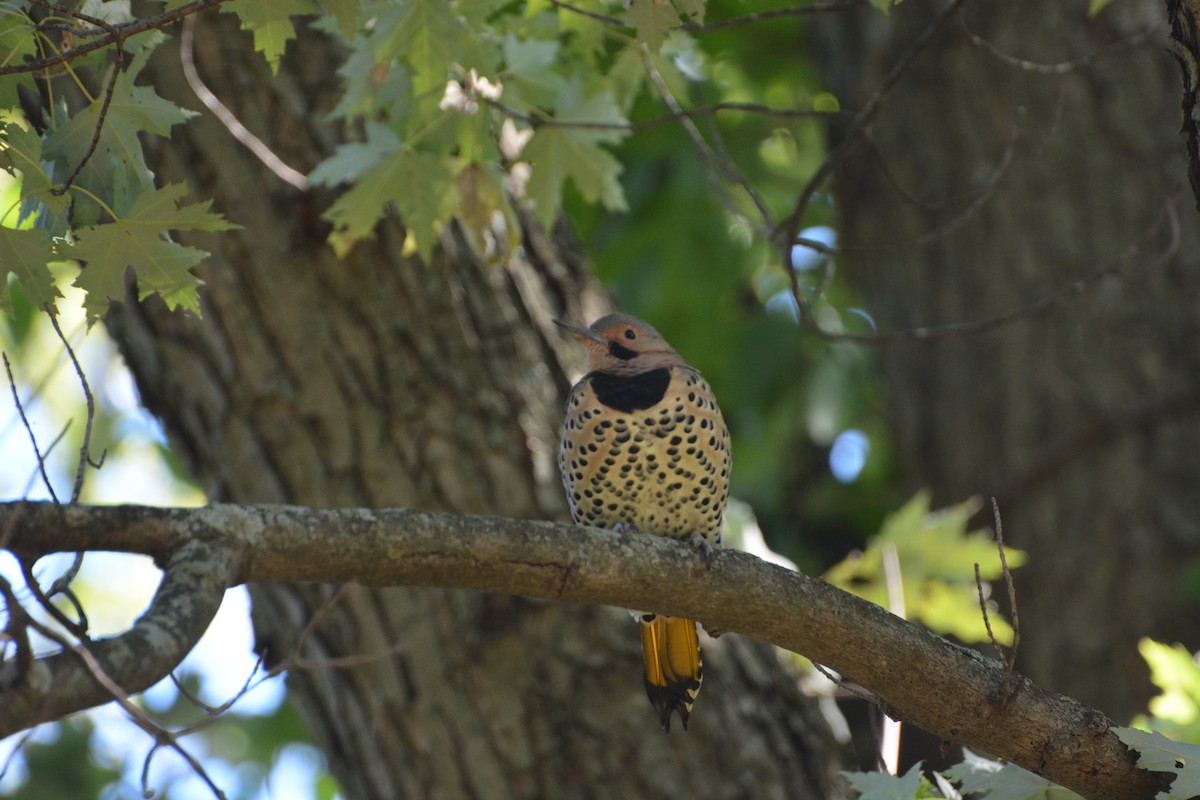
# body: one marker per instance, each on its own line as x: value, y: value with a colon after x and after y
x: 701, y: 543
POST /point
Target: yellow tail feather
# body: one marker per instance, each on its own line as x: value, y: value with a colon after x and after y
x: 671, y: 658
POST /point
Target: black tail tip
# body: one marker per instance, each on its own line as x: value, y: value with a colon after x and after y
x: 667, y: 702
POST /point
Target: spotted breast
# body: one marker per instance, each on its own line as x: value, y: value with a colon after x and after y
x: 645, y: 448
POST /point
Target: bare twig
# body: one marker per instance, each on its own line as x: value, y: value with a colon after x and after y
x: 77, y: 627
x: 123, y: 31
x: 537, y: 120
x: 85, y: 455
x: 713, y: 165
x: 162, y: 736
x: 28, y: 429
x: 583, y: 12
x: 1118, y: 266
x: 784, y: 234
x: 1012, y: 598
x: 776, y: 13
x: 1009, y: 660
x: 987, y: 622
x: 1062, y: 67
x: 18, y: 630
x: 256, y: 146
x: 12, y: 756
x: 748, y: 19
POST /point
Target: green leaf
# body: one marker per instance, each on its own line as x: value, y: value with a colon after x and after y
x: 346, y: 13
x: 429, y: 38
x: 937, y: 557
x: 995, y: 780
x: 653, y: 20
x: 585, y: 37
x: 25, y: 253
x: 353, y: 159
x: 1096, y: 6
x: 138, y: 240
x: 271, y: 24
x: 559, y: 153
x: 528, y: 72
x: 418, y: 183
x: 1174, y: 670
x: 1160, y: 754
x: 17, y: 42
x: 116, y: 170
x: 881, y: 786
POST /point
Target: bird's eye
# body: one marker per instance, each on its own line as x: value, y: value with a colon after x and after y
x: 629, y: 334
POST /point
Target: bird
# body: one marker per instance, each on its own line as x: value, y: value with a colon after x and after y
x: 645, y: 449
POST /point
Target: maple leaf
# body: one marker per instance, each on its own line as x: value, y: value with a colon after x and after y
x: 428, y: 37
x: 418, y: 183
x: 559, y: 153
x: 117, y: 168
x: 271, y: 24
x: 1160, y: 754
x: 138, y: 240
x: 25, y: 253
x: 653, y: 20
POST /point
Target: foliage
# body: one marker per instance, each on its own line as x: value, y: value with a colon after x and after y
x: 937, y: 557
x: 476, y: 102
x: 975, y: 776
x: 1176, y: 711
x: 1160, y: 754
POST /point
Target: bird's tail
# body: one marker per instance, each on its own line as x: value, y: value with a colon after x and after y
x: 671, y: 658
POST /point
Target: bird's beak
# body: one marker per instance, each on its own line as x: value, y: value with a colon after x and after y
x: 586, y: 334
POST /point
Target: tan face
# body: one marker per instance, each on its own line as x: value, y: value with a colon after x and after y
x: 622, y: 344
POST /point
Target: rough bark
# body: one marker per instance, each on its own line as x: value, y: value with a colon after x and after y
x: 1002, y: 173
x: 379, y: 381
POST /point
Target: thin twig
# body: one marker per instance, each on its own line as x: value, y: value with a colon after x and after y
x: 85, y: 454
x: 713, y: 165
x: 583, y: 12
x: 12, y: 755
x: 1168, y: 219
x: 1012, y: 599
x: 987, y: 622
x: 123, y: 31
x: 18, y: 629
x: 538, y: 120
x: 256, y: 146
x: 776, y: 13
x: 1062, y: 67
x: 785, y: 233
x: 77, y: 628
x: 28, y: 429
x: 162, y: 736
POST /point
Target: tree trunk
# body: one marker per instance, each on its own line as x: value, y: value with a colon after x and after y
x: 377, y: 380
x: 995, y: 181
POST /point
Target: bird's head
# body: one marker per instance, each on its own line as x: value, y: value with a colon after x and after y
x: 620, y: 343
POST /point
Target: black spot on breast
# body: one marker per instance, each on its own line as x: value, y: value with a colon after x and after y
x: 631, y: 392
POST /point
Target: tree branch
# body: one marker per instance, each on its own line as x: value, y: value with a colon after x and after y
x: 946, y: 689
x: 195, y: 577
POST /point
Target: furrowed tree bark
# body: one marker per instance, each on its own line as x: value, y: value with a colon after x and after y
x: 380, y: 381
x: 918, y: 676
x: 1001, y: 173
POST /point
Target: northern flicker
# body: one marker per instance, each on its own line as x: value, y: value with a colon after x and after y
x: 645, y: 448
